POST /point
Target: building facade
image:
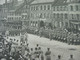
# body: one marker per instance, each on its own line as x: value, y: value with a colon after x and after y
x: 63, y: 14
x: 49, y: 14
x: 40, y: 13
x: 74, y: 15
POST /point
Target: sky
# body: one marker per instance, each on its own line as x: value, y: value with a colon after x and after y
x: 2, y: 1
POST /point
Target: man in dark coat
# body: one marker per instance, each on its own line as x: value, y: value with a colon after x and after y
x: 48, y: 54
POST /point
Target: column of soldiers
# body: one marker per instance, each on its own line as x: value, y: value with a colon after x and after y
x: 62, y: 35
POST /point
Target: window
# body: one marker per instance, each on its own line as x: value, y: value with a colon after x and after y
x: 54, y: 15
x: 65, y: 8
x: 61, y: 8
x: 71, y: 8
x: 36, y: 7
x: 77, y: 16
x: 72, y: 16
x: 41, y: 15
x: 44, y: 7
x: 66, y: 16
x: 41, y: 7
x: 31, y: 8
x: 61, y: 15
x: 53, y: 8
x: 57, y: 15
x: 44, y: 15
x: 57, y: 8
x: 76, y: 7
x: 48, y: 7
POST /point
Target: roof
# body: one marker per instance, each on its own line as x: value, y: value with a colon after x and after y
x: 41, y: 1
x: 19, y: 3
x: 20, y: 6
x: 60, y: 2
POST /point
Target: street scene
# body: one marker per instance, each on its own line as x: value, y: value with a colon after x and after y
x: 39, y: 30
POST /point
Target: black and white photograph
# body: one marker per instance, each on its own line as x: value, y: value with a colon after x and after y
x: 39, y: 29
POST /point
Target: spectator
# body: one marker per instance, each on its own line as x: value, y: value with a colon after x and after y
x: 16, y: 56
x: 71, y: 57
x: 59, y: 57
x: 32, y: 57
x: 37, y: 46
x: 27, y: 48
x: 48, y: 54
x: 42, y: 56
x: 36, y: 54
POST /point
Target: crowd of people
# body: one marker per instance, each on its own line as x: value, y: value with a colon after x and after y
x: 31, y: 54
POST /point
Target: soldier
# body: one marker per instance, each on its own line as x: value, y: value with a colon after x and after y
x: 71, y: 57
x: 59, y: 57
x: 48, y: 54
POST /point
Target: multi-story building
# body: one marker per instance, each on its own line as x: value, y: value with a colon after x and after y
x: 74, y: 14
x: 24, y: 9
x: 60, y: 14
x: 38, y: 13
x: 13, y: 19
x: 41, y: 12
x: 17, y: 15
x: 0, y: 12
x: 66, y: 14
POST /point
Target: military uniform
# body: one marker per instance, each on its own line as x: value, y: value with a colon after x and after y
x: 48, y: 55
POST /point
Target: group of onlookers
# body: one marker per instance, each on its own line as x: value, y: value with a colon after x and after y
x: 32, y: 54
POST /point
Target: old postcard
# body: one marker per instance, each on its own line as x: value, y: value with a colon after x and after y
x: 39, y: 29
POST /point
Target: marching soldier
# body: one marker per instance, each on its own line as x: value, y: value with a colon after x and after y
x: 48, y: 54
